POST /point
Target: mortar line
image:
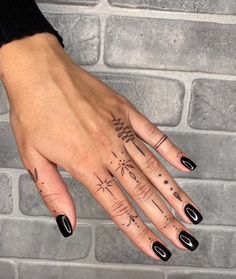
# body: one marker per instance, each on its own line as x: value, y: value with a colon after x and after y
x: 105, y: 9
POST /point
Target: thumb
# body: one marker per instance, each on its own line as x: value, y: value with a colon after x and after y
x: 53, y: 191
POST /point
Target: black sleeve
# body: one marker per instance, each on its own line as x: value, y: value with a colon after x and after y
x: 20, y: 18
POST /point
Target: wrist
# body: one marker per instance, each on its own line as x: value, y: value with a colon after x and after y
x: 30, y: 63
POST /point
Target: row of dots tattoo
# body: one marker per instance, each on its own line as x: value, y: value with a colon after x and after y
x: 176, y: 195
x: 34, y: 176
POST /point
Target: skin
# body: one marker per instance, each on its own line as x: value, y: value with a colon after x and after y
x: 61, y: 115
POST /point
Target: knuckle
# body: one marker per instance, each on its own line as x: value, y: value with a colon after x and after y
x: 78, y: 164
x: 150, y: 129
x: 143, y: 191
x: 122, y: 102
x: 152, y: 165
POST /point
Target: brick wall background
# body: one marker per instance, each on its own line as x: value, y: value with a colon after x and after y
x: 176, y: 61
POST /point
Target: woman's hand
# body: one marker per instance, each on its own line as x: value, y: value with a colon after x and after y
x: 63, y: 116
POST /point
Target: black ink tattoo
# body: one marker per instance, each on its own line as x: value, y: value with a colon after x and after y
x: 142, y: 191
x: 161, y: 140
x: 125, y: 130
x: 139, y: 148
x: 35, y: 176
x: 104, y: 185
x: 120, y: 208
x: 166, y: 182
x: 177, y: 196
x: 125, y: 165
x: 157, y: 206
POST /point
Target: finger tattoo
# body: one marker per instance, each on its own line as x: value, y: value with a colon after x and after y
x: 126, y: 131
x: 122, y: 208
x: 160, y: 141
x: 35, y: 176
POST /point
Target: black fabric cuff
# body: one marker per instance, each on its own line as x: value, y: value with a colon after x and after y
x: 20, y: 18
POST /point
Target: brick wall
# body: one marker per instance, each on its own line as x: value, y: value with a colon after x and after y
x: 176, y: 61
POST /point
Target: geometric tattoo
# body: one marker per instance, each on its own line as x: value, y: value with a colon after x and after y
x: 177, y: 196
x: 125, y: 165
x: 120, y: 208
x: 35, y: 176
x: 160, y: 141
x: 103, y: 185
x: 125, y: 132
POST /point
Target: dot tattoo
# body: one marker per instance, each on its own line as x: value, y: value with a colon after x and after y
x: 125, y: 165
x: 35, y: 176
x: 122, y: 208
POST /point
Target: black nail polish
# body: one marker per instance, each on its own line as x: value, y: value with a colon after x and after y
x: 188, y: 240
x: 64, y: 225
x: 188, y: 163
x: 161, y: 251
x: 193, y: 214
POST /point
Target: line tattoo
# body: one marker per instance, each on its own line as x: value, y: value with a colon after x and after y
x: 122, y: 208
x: 104, y: 186
x: 35, y: 176
x: 160, y: 141
x: 157, y: 206
x: 139, y: 148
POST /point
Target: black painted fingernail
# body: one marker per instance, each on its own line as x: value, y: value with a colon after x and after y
x: 161, y: 251
x: 193, y: 214
x: 64, y: 225
x: 188, y: 163
x: 188, y: 240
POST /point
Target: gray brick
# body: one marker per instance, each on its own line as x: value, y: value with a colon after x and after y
x: 193, y: 6
x: 42, y: 240
x: 9, y: 156
x: 155, y: 97
x: 81, y: 34
x: 216, y: 249
x: 6, y: 203
x: 216, y: 200
x: 4, y: 106
x: 202, y: 275
x: 69, y: 2
x: 29, y: 271
x: 213, y: 154
x: 7, y: 270
x: 170, y: 44
x: 213, y: 105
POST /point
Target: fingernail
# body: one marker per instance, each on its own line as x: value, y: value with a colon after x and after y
x: 64, y: 225
x: 188, y: 163
x: 193, y: 214
x: 161, y: 251
x: 188, y: 240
